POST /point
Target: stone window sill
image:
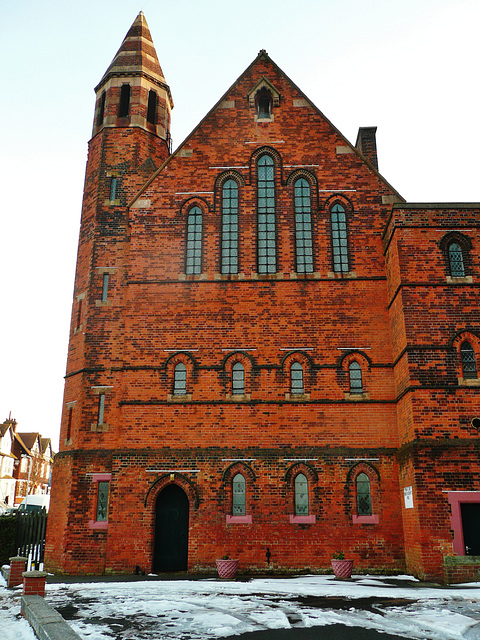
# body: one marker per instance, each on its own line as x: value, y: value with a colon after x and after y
x: 297, y: 397
x: 302, y: 519
x: 469, y: 382
x: 463, y: 280
x: 357, y: 397
x: 365, y: 519
x: 179, y: 398
x: 98, y: 428
x: 233, y: 397
x: 342, y: 274
x: 238, y: 519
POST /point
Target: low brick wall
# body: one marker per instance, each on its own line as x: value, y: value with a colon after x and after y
x: 457, y: 569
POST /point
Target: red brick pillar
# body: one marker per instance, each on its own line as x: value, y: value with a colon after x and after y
x: 17, y: 567
x: 34, y: 583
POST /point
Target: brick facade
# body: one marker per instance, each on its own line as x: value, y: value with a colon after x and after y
x: 151, y: 395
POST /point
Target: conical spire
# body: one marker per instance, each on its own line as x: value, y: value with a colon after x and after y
x: 136, y: 54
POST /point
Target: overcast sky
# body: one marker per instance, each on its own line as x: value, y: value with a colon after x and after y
x: 410, y: 67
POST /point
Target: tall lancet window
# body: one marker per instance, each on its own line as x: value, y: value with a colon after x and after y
x: 194, y: 241
x: 238, y: 495
x: 230, y: 227
x: 339, y: 239
x: 267, y: 241
x: 301, y: 495
x: 303, y: 227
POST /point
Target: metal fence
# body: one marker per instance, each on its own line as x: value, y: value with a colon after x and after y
x: 30, y: 535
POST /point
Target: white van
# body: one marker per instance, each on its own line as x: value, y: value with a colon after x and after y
x: 35, y: 503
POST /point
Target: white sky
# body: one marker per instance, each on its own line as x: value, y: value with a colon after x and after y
x: 410, y: 67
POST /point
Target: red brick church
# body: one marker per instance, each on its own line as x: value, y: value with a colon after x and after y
x: 272, y: 355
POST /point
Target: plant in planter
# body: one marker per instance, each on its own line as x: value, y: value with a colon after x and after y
x: 226, y: 567
x: 342, y: 568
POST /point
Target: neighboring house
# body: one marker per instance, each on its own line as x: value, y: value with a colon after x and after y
x: 272, y: 354
x: 34, y: 463
x: 7, y: 461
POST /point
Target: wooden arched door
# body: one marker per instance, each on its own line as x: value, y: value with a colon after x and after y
x: 171, y: 530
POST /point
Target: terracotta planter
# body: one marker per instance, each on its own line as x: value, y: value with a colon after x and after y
x: 227, y: 568
x: 342, y: 568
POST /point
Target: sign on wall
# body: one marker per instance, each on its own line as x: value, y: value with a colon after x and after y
x: 408, y: 497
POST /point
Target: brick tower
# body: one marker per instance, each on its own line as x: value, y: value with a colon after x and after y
x: 130, y: 140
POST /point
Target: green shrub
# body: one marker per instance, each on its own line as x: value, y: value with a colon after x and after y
x: 7, y: 538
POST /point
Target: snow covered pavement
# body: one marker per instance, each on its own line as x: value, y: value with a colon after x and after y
x: 208, y: 608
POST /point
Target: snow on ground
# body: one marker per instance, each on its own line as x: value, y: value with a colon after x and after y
x: 208, y: 608
x: 13, y: 625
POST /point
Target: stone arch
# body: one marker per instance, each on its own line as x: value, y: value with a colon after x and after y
x: 166, y: 479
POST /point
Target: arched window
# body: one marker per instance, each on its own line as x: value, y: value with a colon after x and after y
x: 238, y: 379
x: 101, y: 109
x: 194, y: 241
x: 355, y: 375
x: 364, y: 498
x: 469, y: 364
x: 180, y: 380
x: 264, y: 104
x: 455, y: 258
x: 303, y: 227
x: 296, y: 378
x: 267, y: 241
x: 230, y: 227
x: 124, y: 104
x: 238, y: 495
x: 152, y: 107
x: 339, y: 239
x: 301, y: 495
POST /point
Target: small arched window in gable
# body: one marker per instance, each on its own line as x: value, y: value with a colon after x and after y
x: 301, y: 495
x: 264, y: 103
x: 194, y: 241
x: 355, y: 375
x: 364, y: 498
x: 455, y: 259
x: 303, y: 227
x: 469, y: 364
x: 229, y: 259
x: 238, y: 379
x: 180, y: 380
x: 238, y: 495
x: 339, y: 239
x: 296, y: 379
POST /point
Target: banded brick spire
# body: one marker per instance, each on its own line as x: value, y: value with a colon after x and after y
x: 136, y: 54
x: 133, y: 91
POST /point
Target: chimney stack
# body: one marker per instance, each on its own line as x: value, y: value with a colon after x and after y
x: 367, y: 144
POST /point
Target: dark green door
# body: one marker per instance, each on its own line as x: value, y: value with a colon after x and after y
x: 171, y: 530
x: 471, y: 527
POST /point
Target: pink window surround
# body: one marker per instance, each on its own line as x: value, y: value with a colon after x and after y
x: 302, y: 519
x: 365, y: 519
x: 94, y: 524
x: 456, y: 498
x: 97, y: 524
x: 101, y: 477
x: 239, y: 519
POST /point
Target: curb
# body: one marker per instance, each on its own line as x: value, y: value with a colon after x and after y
x: 47, y: 623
